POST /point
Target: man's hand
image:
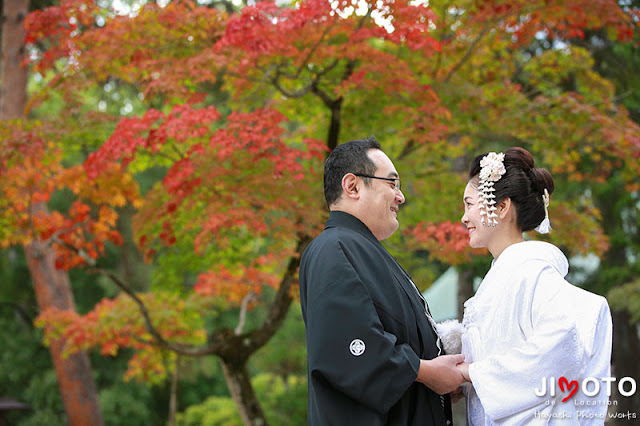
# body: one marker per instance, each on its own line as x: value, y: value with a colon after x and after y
x: 441, y: 374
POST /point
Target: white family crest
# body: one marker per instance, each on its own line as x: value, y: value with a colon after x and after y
x: 357, y: 347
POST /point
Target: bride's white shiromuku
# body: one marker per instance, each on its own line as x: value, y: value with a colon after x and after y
x: 527, y: 322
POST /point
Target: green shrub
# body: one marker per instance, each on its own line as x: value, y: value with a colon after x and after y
x: 284, y: 404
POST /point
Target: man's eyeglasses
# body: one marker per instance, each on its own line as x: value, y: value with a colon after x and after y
x: 396, y: 181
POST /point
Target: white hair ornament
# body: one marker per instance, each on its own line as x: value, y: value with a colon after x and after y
x: 545, y: 225
x: 492, y: 169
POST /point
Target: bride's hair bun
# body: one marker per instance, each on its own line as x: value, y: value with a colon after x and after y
x: 523, y: 183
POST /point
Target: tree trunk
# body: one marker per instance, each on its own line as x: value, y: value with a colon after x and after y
x: 13, y: 92
x: 237, y: 378
x: 465, y: 289
x: 77, y: 387
x: 235, y: 349
x: 51, y: 286
x: 173, y: 398
x: 334, y: 125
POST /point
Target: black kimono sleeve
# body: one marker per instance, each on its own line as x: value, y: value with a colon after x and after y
x: 348, y: 347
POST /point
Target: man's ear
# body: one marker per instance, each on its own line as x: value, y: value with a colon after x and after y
x: 350, y: 185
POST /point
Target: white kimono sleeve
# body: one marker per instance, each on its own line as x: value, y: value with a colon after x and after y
x: 506, y: 382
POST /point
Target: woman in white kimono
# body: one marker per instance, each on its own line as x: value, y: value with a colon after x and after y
x: 530, y: 338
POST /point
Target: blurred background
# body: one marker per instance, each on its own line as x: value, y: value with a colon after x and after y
x: 161, y: 173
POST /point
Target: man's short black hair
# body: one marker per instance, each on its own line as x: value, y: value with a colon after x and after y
x: 350, y: 157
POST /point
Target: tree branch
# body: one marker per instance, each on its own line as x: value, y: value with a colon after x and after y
x: 311, y: 87
x: 313, y: 49
x: 243, y: 312
x: 258, y: 337
x: 297, y: 94
x: 468, y: 53
x: 436, y: 68
x: 482, y: 33
x: 54, y: 239
x: 408, y: 148
x: 225, y: 342
x: 151, y: 329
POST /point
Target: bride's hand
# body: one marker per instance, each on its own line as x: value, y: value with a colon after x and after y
x: 464, y: 369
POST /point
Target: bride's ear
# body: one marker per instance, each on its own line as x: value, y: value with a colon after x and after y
x: 505, y: 208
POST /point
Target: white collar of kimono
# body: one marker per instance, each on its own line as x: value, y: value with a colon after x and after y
x: 529, y: 250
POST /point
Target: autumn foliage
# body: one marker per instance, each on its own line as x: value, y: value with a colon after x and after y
x: 237, y: 109
x: 31, y: 171
x: 446, y: 241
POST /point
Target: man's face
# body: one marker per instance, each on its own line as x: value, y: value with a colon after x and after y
x: 380, y: 200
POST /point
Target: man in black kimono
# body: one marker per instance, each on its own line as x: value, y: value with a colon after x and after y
x: 372, y: 351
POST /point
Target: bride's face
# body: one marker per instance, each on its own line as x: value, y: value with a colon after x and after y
x: 479, y: 234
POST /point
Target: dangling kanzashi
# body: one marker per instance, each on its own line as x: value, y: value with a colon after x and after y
x: 545, y: 225
x: 492, y: 169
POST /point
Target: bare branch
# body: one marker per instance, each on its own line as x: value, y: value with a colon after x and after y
x: 297, y: 94
x: 313, y: 49
x: 311, y: 87
x: 315, y: 88
x: 54, y: 239
x: 364, y: 18
x: 471, y: 50
x: 443, y: 27
x: 408, y: 148
x: 257, y: 338
x: 243, y: 312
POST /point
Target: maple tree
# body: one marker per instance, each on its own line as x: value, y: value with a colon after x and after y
x: 240, y: 197
x: 20, y: 155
